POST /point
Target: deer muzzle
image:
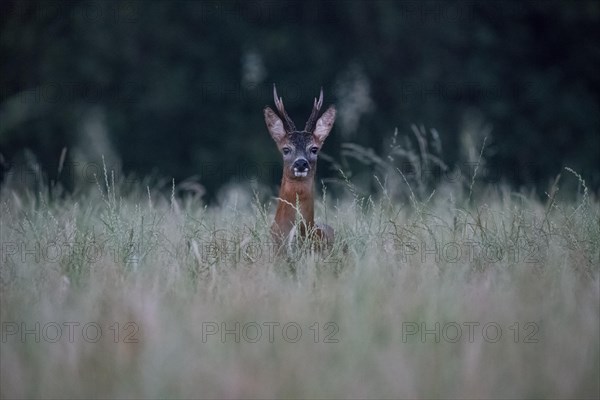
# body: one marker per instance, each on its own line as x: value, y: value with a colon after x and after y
x: 301, y: 167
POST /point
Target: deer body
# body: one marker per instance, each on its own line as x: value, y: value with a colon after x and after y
x: 292, y: 194
x: 299, y: 150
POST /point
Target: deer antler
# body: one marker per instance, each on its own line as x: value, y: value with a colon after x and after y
x: 287, y: 121
x: 310, y: 124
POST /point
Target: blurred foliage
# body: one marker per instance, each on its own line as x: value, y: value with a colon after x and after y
x: 178, y: 88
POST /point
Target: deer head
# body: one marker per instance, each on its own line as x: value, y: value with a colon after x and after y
x: 299, y: 148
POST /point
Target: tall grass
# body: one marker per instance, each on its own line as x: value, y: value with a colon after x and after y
x: 468, y: 291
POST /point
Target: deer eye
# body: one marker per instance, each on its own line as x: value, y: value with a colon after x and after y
x: 314, y: 149
x: 286, y: 151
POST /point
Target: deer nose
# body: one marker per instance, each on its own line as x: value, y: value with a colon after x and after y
x: 301, y: 165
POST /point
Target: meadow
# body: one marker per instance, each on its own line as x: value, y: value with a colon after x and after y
x: 469, y: 290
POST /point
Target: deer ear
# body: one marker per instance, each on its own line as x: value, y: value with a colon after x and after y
x: 324, y: 124
x: 274, y: 125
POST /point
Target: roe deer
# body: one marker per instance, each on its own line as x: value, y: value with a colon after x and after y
x: 299, y: 150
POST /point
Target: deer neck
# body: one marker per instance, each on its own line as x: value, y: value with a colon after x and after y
x: 292, y: 192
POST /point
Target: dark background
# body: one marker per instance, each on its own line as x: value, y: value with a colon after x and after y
x: 176, y: 89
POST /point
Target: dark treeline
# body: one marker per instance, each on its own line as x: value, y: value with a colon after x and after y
x: 176, y: 89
